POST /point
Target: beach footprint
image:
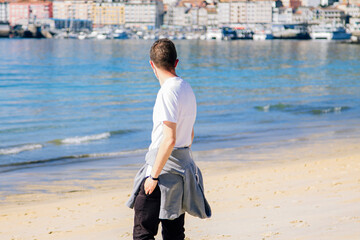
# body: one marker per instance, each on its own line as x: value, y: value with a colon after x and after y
x: 299, y: 223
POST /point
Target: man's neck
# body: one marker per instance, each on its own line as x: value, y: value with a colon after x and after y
x: 164, y: 75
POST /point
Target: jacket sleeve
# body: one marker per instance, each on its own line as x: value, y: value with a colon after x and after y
x: 137, y: 182
x: 194, y: 201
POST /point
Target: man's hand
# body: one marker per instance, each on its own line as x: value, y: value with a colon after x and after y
x: 150, y: 185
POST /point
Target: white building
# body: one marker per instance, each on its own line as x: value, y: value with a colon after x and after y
x: 286, y: 3
x: 144, y: 13
x: 192, y: 16
x: 282, y: 15
x: 351, y: 10
x: 329, y: 14
x: 235, y: 12
x: 310, y: 3
x: 303, y: 15
x: 212, y: 16
x: 4, y: 12
x: 223, y: 13
x: 178, y: 16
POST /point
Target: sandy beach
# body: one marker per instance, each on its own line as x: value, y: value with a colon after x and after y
x: 310, y: 191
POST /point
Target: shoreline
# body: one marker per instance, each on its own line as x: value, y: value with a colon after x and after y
x: 306, y: 192
x: 110, y: 166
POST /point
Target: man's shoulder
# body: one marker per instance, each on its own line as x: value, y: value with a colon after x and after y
x: 177, y: 84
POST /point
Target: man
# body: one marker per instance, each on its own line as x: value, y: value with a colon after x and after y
x: 169, y: 184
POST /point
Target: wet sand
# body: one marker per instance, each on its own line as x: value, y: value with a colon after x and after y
x: 310, y: 191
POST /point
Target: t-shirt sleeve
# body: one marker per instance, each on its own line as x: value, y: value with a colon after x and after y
x: 168, y: 107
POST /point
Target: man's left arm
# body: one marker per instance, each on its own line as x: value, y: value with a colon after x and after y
x: 166, y: 146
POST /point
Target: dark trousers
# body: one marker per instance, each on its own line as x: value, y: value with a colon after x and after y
x: 146, y: 220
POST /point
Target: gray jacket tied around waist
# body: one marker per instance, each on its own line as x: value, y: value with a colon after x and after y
x: 181, y: 185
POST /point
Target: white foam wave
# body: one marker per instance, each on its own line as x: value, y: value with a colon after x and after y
x: 266, y: 108
x: 78, y: 140
x: 337, y: 109
x: 16, y: 150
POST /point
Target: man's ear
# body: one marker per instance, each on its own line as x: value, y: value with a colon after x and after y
x: 176, y: 63
x: 152, y: 64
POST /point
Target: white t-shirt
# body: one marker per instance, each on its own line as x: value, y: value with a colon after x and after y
x: 175, y: 102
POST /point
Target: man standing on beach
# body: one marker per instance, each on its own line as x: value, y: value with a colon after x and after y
x: 169, y: 184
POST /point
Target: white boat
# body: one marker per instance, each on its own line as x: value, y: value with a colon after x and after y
x: 354, y: 28
x: 181, y: 36
x: 214, y: 34
x: 259, y: 36
x: 101, y: 36
x: 202, y: 37
x: 119, y: 34
x: 289, y: 31
x: 263, y: 35
x: 92, y: 35
x: 82, y: 36
x: 329, y: 32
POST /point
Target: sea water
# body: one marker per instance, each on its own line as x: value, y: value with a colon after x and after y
x: 65, y: 101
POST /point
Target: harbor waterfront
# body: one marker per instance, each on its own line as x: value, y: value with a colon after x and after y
x: 297, y: 31
x: 69, y: 101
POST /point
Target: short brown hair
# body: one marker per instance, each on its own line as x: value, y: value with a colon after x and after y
x: 163, y: 54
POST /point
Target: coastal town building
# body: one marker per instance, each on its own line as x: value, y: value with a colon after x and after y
x: 350, y: 10
x: 353, y: 2
x: 310, y: 3
x: 303, y: 15
x: 29, y: 10
x: 100, y: 13
x: 178, y: 16
x: 144, y: 13
x: 4, y: 11
x: 190, y: 13
x: 212, y: 16
x: 73, y: 9
x: 108, y: 14
x: 285, y: 3
x: 328, y: 14
x: 282, y: 15
x: 294, y: 4
x: 234, y: 12
x: 319, y: 15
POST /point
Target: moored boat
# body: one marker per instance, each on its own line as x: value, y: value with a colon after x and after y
x: 290, y: 31
x: 214, y: 34
x: 262, y: 35
x: 329, y: 32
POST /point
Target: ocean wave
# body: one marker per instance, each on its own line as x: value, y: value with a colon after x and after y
x: 82, y: 139
x: 328, y: 110
x: 18, y: 149
x: 68, y: 159
x: 89, y: 138
x: 301, y: 109
x: 71, y: 140
x: 279, y: 107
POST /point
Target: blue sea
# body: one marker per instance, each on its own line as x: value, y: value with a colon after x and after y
x: 68, y: 101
